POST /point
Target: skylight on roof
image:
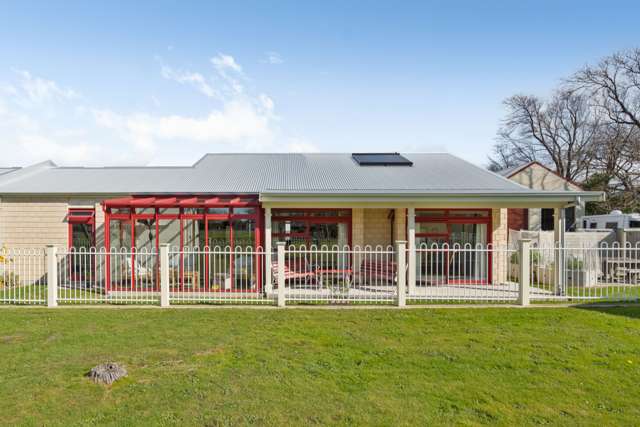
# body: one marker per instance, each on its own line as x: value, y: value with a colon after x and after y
x: 381, y: 159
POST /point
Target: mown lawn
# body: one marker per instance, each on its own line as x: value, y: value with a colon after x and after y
x: 308, y: 366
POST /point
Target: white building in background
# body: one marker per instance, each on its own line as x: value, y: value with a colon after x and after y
x: 612, y: 221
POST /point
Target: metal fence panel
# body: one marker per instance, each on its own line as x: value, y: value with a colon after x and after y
x: 23, y: 276
x: 218, y: 275
x: 463, y: 273
x: 605, y: 273
x: 339, y: 275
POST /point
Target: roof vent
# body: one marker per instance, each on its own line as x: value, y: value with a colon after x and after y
x: 381, y: 159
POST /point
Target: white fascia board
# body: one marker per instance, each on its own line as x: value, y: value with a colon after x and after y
x: 500, y: 200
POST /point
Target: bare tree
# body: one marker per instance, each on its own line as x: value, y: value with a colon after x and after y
x: 589, y: 131
x: 558, y: 133
x: 613, y: 89
x: 614, y: 86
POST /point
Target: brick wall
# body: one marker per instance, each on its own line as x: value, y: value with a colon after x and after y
x: 400, y: 226
x: 36, y: 222
x: 500, y: 235
x: 357, y: 227
x: 30, y: 222
x: 377, y: 227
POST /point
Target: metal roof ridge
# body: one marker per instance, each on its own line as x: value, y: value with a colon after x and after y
x: 25, y: 172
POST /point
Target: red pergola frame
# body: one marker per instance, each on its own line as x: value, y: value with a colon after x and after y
x: 134, y: 204
x: 447, y: 219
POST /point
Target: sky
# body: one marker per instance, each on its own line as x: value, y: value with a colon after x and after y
x: 162, y: 83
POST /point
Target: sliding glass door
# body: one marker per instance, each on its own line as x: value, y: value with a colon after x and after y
x: 453, y: 246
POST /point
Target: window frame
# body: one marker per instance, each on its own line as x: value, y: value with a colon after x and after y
x: 449, y: 220
x: 308, y: 218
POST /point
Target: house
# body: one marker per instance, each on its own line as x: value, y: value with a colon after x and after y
x: 256, y: 200
x: 536, y: 176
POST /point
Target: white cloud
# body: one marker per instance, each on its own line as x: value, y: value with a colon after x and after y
x: 41, y: 119
x: 185, y: 77
x: 230, y: 71
x: 273, y: 58
x: 237, y: 122
x: 39, y: 90
x: 224, y: 62
x: 266, y: 102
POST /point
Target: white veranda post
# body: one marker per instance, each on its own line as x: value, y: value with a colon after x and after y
x: 411, y: 237
x: 268, y: 286
x: 559, y: 227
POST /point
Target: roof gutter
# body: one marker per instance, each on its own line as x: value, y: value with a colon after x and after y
x: 495, y: 200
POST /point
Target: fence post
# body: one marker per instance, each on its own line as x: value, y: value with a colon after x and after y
x: 52, y: 276
x: 281, y: 278
x: 401, y: 265
x: 524, y: 254
x: 164, y: 275
x: 411, y: 236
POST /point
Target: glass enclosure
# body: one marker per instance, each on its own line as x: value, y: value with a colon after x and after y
x: 218, y: 236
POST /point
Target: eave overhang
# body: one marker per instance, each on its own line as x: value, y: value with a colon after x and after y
x: 532, y: 199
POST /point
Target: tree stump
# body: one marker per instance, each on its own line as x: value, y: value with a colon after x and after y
x: 107, y: 373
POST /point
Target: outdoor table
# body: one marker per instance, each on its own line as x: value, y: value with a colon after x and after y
x: 345, y: 273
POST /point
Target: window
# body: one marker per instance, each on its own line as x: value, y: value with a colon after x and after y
x: 455, y: 229
x: 594, y: 225
x: 431, y: 228
x: 611, y: 225
x: 82, y: 233
x: 469, y: 214
x: 570, y: 219
x: 244, y: 211
x: 634, y: 224
x: 218, y: 211
x: 546, y: 219
x: 320, y: 227
x: 82, y: 237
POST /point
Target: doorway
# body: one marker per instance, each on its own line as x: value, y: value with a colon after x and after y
x: 452, y: 246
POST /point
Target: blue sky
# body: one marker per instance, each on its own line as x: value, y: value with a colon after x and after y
x: 165, y: 82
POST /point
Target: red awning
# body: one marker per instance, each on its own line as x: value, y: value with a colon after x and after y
x: 181, y: 201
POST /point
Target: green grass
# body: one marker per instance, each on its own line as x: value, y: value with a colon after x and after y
x: 307, y: 366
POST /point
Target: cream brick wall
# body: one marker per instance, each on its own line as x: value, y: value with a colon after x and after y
x: 499, y: 237
x: 400, y: 225
x: 371, y: 227
x: 36, y: 222
x: 357, y: 227
x: 500, y: 227
x: 377, y: 227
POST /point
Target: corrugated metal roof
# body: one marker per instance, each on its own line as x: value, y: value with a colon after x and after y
x: 7, y: 170
x: 256, y: 173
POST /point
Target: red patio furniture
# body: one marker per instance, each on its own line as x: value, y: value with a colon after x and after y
x: 378, y: 272
x: 290, y: 274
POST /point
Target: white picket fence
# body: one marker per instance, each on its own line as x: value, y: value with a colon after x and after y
x: 312, y: 275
